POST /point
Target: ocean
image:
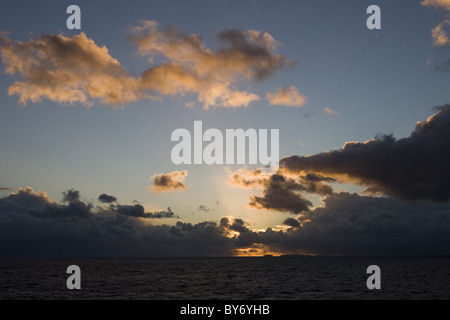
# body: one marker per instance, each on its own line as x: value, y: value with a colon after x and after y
x: 237, y: 278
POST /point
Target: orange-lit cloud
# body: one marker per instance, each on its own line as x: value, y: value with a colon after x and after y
x: 249, y: 179
x: 213, y: 75
x: 441, y: 4
x: 75, y: 69
x: 331, y: 112
x: 440, y: 37
x: 287, y: 96
x: 280, y: 192
x: 67, y: 70
x: 168, y: 182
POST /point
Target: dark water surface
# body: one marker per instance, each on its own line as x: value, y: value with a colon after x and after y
x: 280, y: 278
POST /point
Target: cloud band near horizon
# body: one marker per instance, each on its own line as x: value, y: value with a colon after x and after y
x: 32, y: 225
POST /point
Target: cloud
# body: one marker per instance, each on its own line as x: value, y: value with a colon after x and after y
x: 203, y: 208
x: 412, y: 168
x: 248, y: 54
x: 213, y: 75
x: 249, y: 179
x: 331, y: 112
x: 351, y: 224
x: 39, y: 205
x: 294, y: 223
x: 439, y: 4
x: 440, y: 37
x: 238, y: 225
x: 287, y: 96
x: 412, y: 217
x: 104, y: 198
x: 280, y: 193
x: 138, y: 211
x: 71, y: 196
x: 234, y: 224
x: 32, y: 225
x: 74, y: 69
x: 67, y: 70
x: 172, y: 181
x: 25, y: 198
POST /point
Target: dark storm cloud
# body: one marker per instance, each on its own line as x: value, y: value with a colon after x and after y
x: 412, y: 168
x: 313, y: 183
x: 71, y: 196
x: 360, y: 225
x: 31, y: 225
x: 138, y: 211
x: 351, y: 224
x: 292, y: 222
x: 412, y: 172
x: 39, y: 205
x: 281, y: 194
x: 239, y: 226
x: 104, y: 198
x: 74, y: 209
x: 234, y: 224
x: 313, y: 177
x: 23, y: 200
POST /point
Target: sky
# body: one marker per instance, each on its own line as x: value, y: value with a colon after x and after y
x: 87, y: 116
